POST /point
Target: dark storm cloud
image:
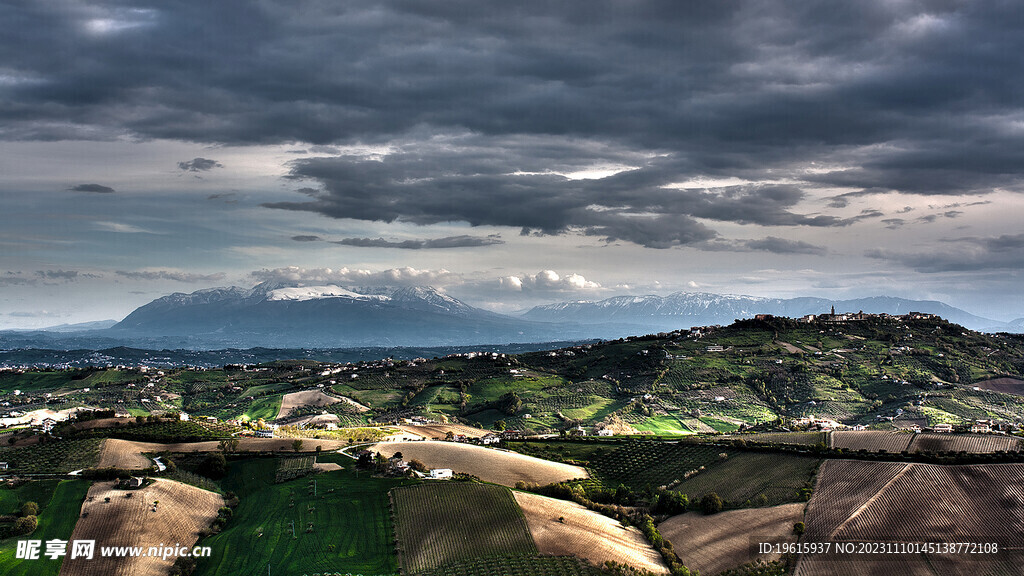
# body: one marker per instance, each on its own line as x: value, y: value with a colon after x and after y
x: 98, y: 188
x: 777, y: 245
x: 306, y: 238
x: 1004, y: 252
x: 448, y: 242
x: 487, y: 182
x: 173, y: 275
x: 896, y: 96
x: 199, y: 165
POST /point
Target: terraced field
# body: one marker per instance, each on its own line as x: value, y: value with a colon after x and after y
x: 566, y: 528
x: 444, y: 522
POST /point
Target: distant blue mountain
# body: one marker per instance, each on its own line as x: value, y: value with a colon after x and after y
x: 685, y: 309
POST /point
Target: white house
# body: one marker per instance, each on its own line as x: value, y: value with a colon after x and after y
x: 943, y: 428
x: 605, y: 432
x: 440, y: 474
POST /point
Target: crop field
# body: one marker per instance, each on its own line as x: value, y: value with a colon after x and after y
x: 161, y: 513
x: 872, y: 440
x: 294, y: 400
x: 488, y: 464
x: 566, y: 528
x: 892, y: 502
x: 641, y: 463
x: 517, y: 566
x: 712, y: 544
x: 59, y: 512
x: 754, y: 478
x: 59, y: 456
x: 971, y: 443
x: 444, y: 522
x: 344, y: 527
x: 164, y: 431
x: 798, y: 438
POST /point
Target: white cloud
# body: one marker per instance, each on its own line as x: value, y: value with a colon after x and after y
x: 405, y: 276
x: 547, y: 280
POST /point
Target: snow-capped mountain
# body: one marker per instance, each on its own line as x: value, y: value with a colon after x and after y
x: 273, y: 315
x: 303, y: 293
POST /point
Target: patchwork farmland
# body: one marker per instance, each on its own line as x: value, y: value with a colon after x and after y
x: 443, y: 523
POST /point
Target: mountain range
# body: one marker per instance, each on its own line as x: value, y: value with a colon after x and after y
x: 288, y: 316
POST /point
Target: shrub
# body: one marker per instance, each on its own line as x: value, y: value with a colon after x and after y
x: 711, y: 503
x: 26, y: 524
x: 30, y: 509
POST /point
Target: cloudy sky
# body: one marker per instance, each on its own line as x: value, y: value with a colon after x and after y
x: 510, y: 153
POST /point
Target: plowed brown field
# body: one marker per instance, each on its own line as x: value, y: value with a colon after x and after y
x: 585, y: 534
x: 123, y: 522
x: 726, y: 540
x: 488, y: 464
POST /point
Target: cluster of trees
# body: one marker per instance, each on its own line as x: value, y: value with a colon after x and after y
x: 28, y: 519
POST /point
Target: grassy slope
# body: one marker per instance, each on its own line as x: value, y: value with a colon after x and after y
x: 56, y: 521
x: 354, y: 518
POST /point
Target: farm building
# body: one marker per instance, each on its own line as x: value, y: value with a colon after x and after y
x: 264, y: 433
x: 440, y: 474
x: 490, y: 439
x: 943, y: 428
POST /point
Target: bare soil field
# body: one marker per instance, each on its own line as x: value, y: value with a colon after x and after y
x: 726, y: 540
x: 439, y: 431
x: 302, y: 399
x: 182, y: 512
x: 326, y: 466
x: 1004, y: 385
x: 872, y: 440
x: 972, y: 443
x: 124, y: 454
x: 488, y: 464
x: 101, y: 423
x: 585, y: 534
x: 892, y: 502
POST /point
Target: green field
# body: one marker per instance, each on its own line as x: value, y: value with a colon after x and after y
x: 753, y: 479
x: 352, y: 530
x: 445, y: 522
x: 56, y: 521
x: 266, y: 408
